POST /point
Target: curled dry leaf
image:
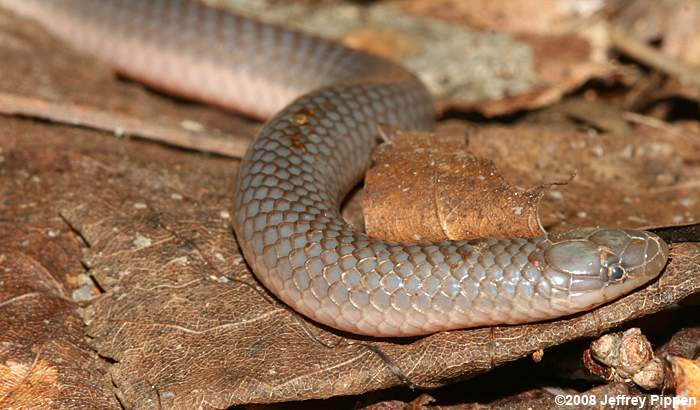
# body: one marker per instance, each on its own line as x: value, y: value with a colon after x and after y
x: 640, y: 179
x: 430, y: 188
x: 630, y: 357
x: 185, y: 321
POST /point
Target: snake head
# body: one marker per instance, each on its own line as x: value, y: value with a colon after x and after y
x: 591, y: 266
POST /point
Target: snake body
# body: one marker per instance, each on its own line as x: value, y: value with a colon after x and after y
x: 324, y: 101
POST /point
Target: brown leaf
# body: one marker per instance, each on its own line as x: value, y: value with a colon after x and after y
x: 638, y: 180
x: 533, y: 16
x: 687, y: 378
x: 424, y: 187
x: 684, y: 343
x: 682, y: 36
x: 643, y: 179
x: 187, y: 323
x: 675, y: 22
x: 561, y: 64
x: 567, y: 47
x: 44, y: 360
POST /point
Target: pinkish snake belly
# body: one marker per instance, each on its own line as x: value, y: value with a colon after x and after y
x: 324, y: 101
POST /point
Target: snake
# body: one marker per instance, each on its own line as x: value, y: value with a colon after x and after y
x: 323, y: 103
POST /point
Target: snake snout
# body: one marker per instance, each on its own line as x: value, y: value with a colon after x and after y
x: 645, y: 255
x: 592, y: 266
x: 630, y: 255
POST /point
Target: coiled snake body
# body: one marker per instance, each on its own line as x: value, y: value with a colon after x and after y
x: 325, y: 101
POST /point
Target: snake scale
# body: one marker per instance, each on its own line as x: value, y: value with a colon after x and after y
x: 323, y: 102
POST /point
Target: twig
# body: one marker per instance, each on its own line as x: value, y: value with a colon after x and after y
x: 661, y: 125
x: 654, y: 58
x: 122, y: 124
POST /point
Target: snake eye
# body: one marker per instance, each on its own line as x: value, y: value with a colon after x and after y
x: 616, y: 272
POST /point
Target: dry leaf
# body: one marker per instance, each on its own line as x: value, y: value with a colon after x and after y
x: 684, y: 343
x: 44, y: 360
x: 532, y: 16
x: 687, y: 380
x: 183, y: 322
x: 186, y: 322
x: 629, y: 356
x: 425, y: 187
x: 640, y: 180
x: 682, y: 34
x: 567, y: 47
x: 561, y: 63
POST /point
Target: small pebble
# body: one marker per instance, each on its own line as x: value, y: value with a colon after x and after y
x: 142, y: 241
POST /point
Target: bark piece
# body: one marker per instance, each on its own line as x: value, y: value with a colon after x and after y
x: 426, y: 188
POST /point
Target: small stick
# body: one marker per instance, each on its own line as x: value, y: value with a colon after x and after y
x: 654, y: 58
